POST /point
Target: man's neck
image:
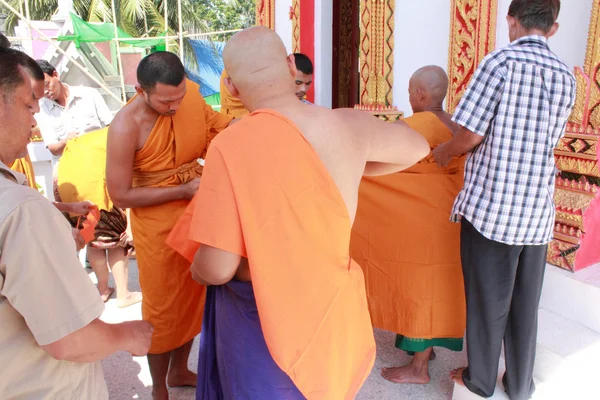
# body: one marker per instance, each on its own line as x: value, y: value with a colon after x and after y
x: 64, y: 95
x: 272, y: 101
x: 6, y: 160
x: 532, y: 32
x: 434, y: 108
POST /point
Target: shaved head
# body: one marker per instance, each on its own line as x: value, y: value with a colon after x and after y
x: 257, y: 64
x: 428, y: 87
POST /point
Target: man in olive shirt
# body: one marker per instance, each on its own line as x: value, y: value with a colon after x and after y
x: 51, y: 337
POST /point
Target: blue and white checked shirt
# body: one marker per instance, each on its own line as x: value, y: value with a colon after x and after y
x: 519, y: 99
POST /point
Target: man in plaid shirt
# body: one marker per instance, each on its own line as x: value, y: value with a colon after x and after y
x: 512, y: 116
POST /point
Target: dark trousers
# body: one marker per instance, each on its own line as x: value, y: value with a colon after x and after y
x: 503, y: 285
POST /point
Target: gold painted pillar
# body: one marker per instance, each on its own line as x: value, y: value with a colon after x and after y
x: 295, y: 17
x: 376, y: 52
x: 472, y: 36
x: 265, y: 13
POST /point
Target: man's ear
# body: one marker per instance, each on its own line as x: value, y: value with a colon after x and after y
x: 231, y: 87
x: 139, y: 89
x: 553, y: 30
x: 291, y: 60
x: 421, y: 94
x: 55, y: 74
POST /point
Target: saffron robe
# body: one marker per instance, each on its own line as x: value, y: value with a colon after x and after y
x: 278, y: 206
x: 25, y: 166
x: 82, y: 170
x: 407, y: 246
x: 230, y: 105
x: 172, y: 302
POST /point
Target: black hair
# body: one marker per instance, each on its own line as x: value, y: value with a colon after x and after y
x: 303, y: 64
x: 160, y: 67
x: 46, y: 67
x: 4, y: 42
x: 535, y: 14
x: 11, y: 75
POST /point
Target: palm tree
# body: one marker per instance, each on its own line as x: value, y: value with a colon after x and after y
x: 138, y: 18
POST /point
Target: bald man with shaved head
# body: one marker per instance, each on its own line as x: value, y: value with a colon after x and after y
x: 286, y: 314
x: 406, y: 245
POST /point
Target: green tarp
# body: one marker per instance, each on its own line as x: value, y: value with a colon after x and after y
x: 94, y: 32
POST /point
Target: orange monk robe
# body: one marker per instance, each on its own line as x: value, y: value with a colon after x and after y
x: 173, y: 303
x: 230, y: 105
x: 278, y: 206
x: 82, y: 170
x: 25, y: 166
x: 407, y: 246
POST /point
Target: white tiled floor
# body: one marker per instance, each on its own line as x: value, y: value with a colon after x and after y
x: 129, y: 378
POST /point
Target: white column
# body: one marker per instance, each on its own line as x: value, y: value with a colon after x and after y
x: 421, y: 36
x: 323, y: 52
x: 283, y: 23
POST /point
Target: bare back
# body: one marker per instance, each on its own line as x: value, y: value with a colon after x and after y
x: 352, y: 143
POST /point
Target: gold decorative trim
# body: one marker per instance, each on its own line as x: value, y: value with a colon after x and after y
x: 265, y: 13
x: 295, y: 17
x: 376, y: 52
x: 472, y: 36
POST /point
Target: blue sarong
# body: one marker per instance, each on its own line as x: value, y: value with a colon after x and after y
x: 234, y: 361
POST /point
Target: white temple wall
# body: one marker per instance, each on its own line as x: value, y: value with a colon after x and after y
x: 422, y: 37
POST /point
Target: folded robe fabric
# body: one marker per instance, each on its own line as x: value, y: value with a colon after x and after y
x: 407, y: 246
x: 278, y: 206
x: 82, y: 170
x: 25, y: 166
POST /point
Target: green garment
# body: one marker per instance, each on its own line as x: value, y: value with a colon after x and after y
x: 412, y: 346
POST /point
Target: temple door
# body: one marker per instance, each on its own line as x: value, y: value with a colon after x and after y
x: 346, y: 37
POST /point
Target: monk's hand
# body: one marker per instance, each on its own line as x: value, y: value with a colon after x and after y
x: 190, y: 188
x: 82, y: 207
x: 441, y: 155
x: 79, y: 240
x: 140, y: 337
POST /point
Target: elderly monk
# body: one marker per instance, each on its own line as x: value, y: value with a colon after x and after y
x: 230, y: 105
x: 270, y: 228
x: 409, y: 250
x: 152, y: 167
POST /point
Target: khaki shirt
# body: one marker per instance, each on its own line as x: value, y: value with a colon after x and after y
x: 45, y: 295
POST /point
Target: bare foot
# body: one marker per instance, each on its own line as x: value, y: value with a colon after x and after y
x: 457, y: 376
x: 160, y: 393
x: 432, y: 356
x: 105, y: 295
x: 182, y: 378
x: 129, y: 300
x: 407, y: 374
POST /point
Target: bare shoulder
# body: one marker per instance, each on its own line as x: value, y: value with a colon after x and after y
x: 124, y: 124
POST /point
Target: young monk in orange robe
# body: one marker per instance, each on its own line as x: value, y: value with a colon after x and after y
x: 271, y: 227
x: 230, y: 105
x: 409, y: 250
x: 154, y: 144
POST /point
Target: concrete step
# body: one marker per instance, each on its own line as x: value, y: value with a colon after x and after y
x: 566, y: 364
x: 575, y: 296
